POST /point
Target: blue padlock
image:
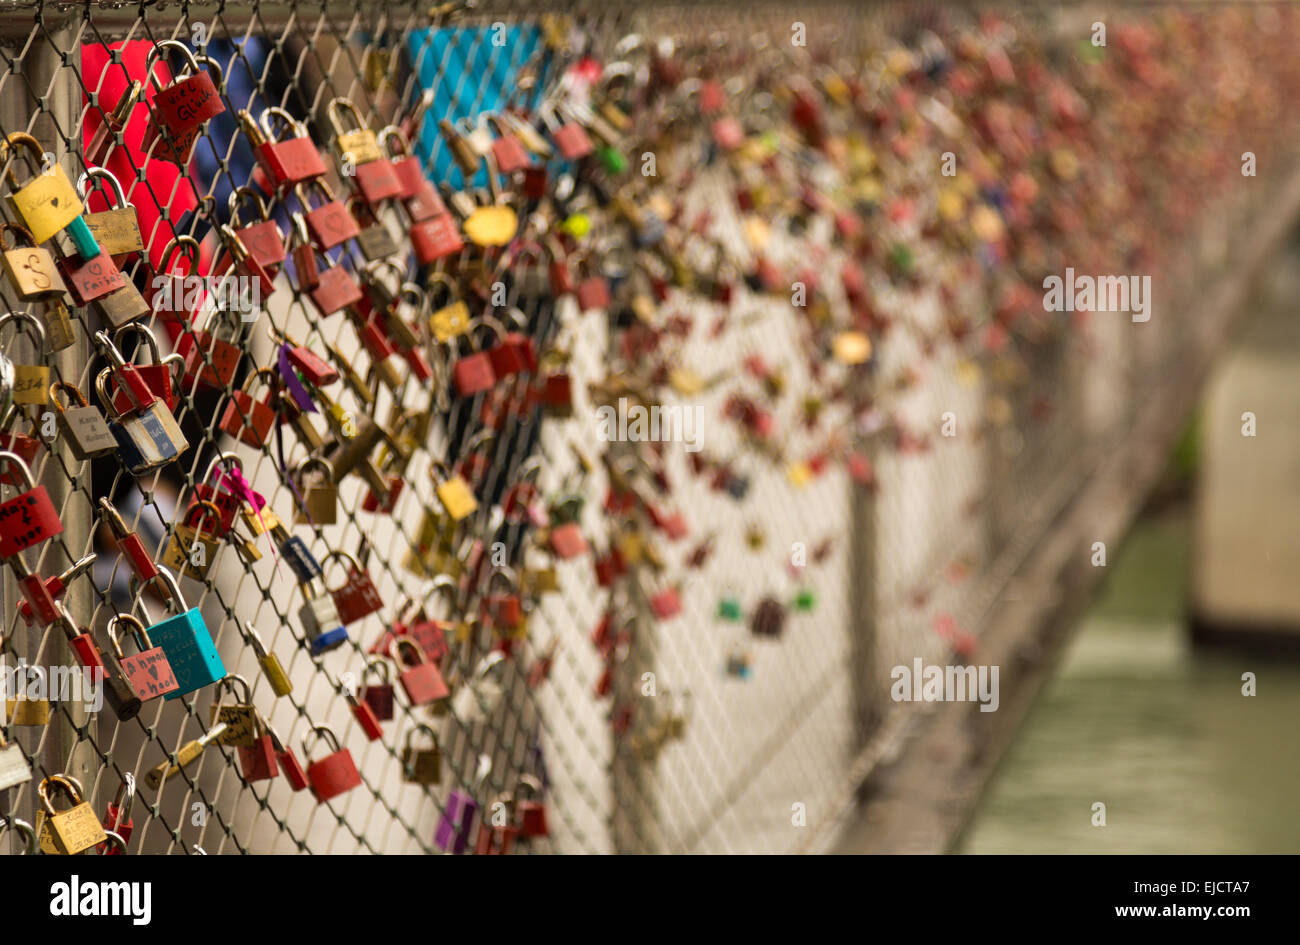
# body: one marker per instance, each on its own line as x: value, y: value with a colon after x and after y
x: 186, y: 642
x: 294, y: 551
x: 320, y: 622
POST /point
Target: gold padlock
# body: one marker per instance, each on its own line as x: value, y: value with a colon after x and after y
x: 453, y: 492
x: 189, y: 550
x: 76, y: 829
x: 422, y: 765
x: 31, y: 381
x: 117, y: 230
x: 30, y: 268
x: 358, y: 145
x: 243, y: 725
x: 59, y: 333
x: 48, y: 202
x: 320, y: 493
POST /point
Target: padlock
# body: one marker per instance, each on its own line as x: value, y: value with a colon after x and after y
x: 76, y: 829
x: 666, y: 603
x: 420, y: 680
x: 30, y: 517
x: 508, y: 152
x: 473, y: 374
x: 379, y: 696
x: 117, y: 229
x: 356, y: 144
x: 768, y: 619
x: 243, y: 726
x: 30, y: 268
x: 288, y: 761
x: 319, y: 504
x: 188, y: 753
x: 456, y: 822
x: 280, y: 682
x: 336, y: 290
x: 258, y: 762
x: 122, y: 306
x: 30, y: 384
x: 288, y: 161
x: 566, y: 541
x: 24, y: 831
x: 571, y: 139
x: 21, y: 444
x: 57, y: 320
x: 514, y: 353
x: 374, y: 240
x: 367, y: 721
x: 173, y: 294
x: 502, y: 610
x: 334, y: 774
x: 128, y: 542
x: 422, y: 765
x: 178, y: 113
x: 320, y: 621
x: 14, y: 769
x: 148, y: 671
x: 211, y: 356
x: 435, y: 237
x: 140, y: 453
x: 453, y: 492
x: 418, y: 194
x: 84, y: 426
x: 531, y: 811
x: 192, y: 548
x: 109, y: 134
x: 42, y: 595
x: 357, y: 598
x: 330, y: 224
x: 48, y: 202
x: 91, y: 278
x: 247, y: 420
x: 467, y: 157
x: 262, y: 239
x: 157, y: 378
x: 295, y: 552
x: 186, y: 641
x: 592, y: 289
x: 26, y: 710
x: 117, y: 815
x: 246, y: 282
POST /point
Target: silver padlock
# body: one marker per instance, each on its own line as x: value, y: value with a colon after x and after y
x: 320, y: 621
x: 14, y: 769
x: 481, y: 694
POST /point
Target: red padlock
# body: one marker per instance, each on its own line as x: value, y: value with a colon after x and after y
x: 330, y: 224
x: 43, y: 594
x: 289, y: 764
x: 22, y: 446
x: 531, y: 811
x: 420, y: 197
x: 420, y: 680
x: 571, y: 139
x: 29, y: 518
x: 334, y: 774
x: 158, y: 377
x: 210, y: 360
x: 172, y: 294
x: 148, y: 672
x: 293, y: 160
x: 610, y: 567
x: 473, y: 373
x: 117, y: 815
x: 361, y: 157
x: 357, y: 598
x: 315, y: 370
x: 436, y: 238
x: 502, y: 610
x: 365, y: 717
x: 566, y: 541
x: 384, y: 505
x: 247, y: 420
x: 263, y: 239
x: 257, y: 762
x: 592, y: 291
x: 666, y: 603
x: 509, y: 153
x: 178, y: 112
x: 90, y: 279
x: 335, y: 290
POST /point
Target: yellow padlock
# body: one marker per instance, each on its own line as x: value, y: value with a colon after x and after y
x: 453, y: 492
x: 48, y: 202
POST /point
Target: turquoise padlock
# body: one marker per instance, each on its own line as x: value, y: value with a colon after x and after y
x: 186, y: 642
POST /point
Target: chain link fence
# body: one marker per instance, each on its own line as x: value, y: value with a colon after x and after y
x: 872, y: 407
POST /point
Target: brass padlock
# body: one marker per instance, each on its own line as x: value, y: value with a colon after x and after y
x: 28, y: 711
x: 243, y: 725
x: 31, y: 383
x: 453, y: 492
x: 30, y: 268
x: 422, y: 765
x: 189, y: 551
x: 59, y: 333
x: 76, y: 829
x: 320, y: 493
x: 358, y: 145
x: 186, y: 756
x: 117, y: 229
x: 48, y: 202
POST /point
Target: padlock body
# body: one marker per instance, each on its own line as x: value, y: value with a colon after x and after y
x: 190, y: 651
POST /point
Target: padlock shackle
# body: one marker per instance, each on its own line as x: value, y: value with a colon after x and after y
x: 375, y: 663
x: 394, y: 133
x: 319, y: 731
x: 233, y: 680
x: 159, y: 54
x: 69, y: 786
x: 150, y: 340
x: 174, y: 598
x: 399, y: 659
x: 315, y: 184
x: 226, y: 456
x: 337, y: 552
x: 24, y: 829
x: 332, y: 109
x: 422, y: 727
x: 22, y: 231
x: 92, y: 177
x: 10, y: 144
x: 27, y: 320
x: 15, y: 459
x: 137, y: 629
x: 238, y: 196
x: 206, y: 508
x: 73, y: 392
x: 189, y: 245
x: 275, y: 111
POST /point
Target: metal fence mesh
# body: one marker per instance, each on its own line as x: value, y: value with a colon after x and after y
x: 879, y: 537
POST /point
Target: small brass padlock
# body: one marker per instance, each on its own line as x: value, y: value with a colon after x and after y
x: 422, y: 765
x: 320, y: 493
x: 453, y: 492
x: 189, y: 550
x: 30, y: 268
x: 59, y: 333
x: 117, y: 229
x: 76, y: 829
x: 243, y: 725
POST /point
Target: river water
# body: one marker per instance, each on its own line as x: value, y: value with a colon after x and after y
x: 1154, y: 729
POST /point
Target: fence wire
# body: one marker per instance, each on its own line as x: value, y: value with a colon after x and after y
x: 785, y: 262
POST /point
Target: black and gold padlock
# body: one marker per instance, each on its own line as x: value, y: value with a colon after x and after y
x: 243, y: 725
x: 84, y: 426
x: 30, y: 268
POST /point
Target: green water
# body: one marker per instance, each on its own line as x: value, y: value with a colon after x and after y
x: 1157, y: 731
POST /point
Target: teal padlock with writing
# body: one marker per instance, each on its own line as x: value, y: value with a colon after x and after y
x: 186, y: 642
